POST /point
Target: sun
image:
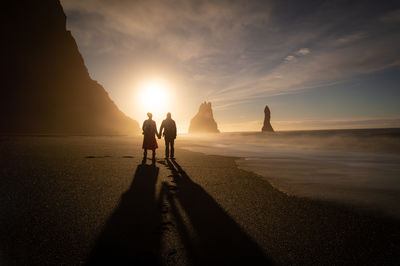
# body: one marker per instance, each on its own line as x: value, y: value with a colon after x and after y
x: 154, y: 96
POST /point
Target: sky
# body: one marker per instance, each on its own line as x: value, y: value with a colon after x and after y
x: 316, y: 64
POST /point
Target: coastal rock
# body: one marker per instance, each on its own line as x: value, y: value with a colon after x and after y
x: 203, y: 121
x: 267, y: 121
x: 46, y: 87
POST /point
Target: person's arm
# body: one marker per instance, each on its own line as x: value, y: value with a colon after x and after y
x: 161, y: 129
x: 143, y: 127
x: 155, y: 129
x: 174, y: 130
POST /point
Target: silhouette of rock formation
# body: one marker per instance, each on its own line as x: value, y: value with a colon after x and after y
x: 46, y: 87
x: 203, y: 121
x: 267, y: 121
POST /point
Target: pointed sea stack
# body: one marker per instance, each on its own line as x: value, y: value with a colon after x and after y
x: 203, y: 121
x: 267, y: 121
x: 46, y: 87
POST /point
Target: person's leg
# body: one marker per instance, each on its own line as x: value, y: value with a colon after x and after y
x: 172, y: 148
x: 144, y: 153
x: 166, y: 148
x: 153, y: 159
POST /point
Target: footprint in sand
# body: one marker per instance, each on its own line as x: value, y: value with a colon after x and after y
x: 128, y: 156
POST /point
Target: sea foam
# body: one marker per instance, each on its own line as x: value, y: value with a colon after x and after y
x: 358, y: 167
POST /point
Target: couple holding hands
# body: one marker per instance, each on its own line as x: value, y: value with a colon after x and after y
x: 150, y: 132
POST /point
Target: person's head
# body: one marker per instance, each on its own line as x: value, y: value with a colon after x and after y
x: 169, y: 115
x: 150, y: 115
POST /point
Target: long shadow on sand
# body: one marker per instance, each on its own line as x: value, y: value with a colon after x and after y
x: 209, y: 234
x: 130, y: 236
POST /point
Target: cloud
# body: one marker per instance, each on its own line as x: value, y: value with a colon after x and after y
x: 351, y: 38
x: 234, y: 51
x: 181, y: 29
x: 303, y: 51
x: 290, y: 58
x: 328, y: 64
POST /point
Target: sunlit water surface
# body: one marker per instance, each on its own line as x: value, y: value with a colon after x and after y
x: 358, y: 167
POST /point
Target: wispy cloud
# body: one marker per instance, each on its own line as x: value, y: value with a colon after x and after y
x: 225, y: 40
x: 230, y: 52
x: 181, y: 29
x: 303, y: 51
x: 290, y: 58
x: 328, y: 64
x: 351, y: 38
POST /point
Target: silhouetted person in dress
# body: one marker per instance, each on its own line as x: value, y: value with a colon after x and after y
x: 149, y: 140
x: 169, y: 127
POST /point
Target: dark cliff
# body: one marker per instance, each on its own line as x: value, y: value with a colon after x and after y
x: 45, y: 85
x: 203, y: 121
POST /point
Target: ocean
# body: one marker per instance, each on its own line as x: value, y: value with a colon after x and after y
x: 358, y: 167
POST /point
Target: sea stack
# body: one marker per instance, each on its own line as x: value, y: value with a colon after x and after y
x: 203, y: 121
x: 267, y: 121
x: 46, y: 87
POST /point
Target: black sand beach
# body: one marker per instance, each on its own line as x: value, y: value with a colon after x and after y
x: 89, y: 200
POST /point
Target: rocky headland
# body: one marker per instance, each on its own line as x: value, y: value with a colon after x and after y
x: 46, y: 87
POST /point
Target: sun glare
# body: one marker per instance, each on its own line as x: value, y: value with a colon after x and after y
x: 154, y: 96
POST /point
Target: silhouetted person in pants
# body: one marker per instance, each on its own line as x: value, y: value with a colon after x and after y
x: 169, y: 127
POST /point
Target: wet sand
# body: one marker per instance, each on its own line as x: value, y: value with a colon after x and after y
x: 77, y: 200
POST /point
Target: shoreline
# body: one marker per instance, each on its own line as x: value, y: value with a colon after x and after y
x: 313, y: 220
x: 357, y: 208
x: 361, y: 178
x: 351, y: 201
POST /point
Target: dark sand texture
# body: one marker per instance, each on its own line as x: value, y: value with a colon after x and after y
x: 76, y: 200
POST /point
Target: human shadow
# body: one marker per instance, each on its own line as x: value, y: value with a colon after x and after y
x: 131, y: 235
x: 217, y: 239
